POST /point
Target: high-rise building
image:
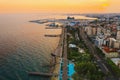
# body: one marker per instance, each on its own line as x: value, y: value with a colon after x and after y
x: 88, y: 30
x: 114, y: 43
x: 94, y: 30
x: 91, y: 30
x: 118, y: 33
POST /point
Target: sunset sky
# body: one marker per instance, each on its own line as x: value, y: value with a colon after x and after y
x: 71, y: 6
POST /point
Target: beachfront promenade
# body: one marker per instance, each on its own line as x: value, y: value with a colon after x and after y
x: 58, y: 57
x: 61, y: 57
x: 65, y: 61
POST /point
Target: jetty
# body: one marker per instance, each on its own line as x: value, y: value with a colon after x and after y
x: 53, y: 28
x: 42, y: 74
x: 39, y: 21
x: 48, y: 35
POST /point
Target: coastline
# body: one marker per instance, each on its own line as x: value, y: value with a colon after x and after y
x: 58, y: 53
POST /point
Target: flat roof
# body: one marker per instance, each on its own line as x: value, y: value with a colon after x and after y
x: 115, y: 60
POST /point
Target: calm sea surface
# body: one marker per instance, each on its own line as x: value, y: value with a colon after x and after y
x: 23, y: 47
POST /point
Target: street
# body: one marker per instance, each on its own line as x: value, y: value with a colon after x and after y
x: 100, y: 61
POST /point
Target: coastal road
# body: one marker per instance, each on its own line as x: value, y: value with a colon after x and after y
x: 65, y: 61
x: 62, y: 48
x: 100, y: 61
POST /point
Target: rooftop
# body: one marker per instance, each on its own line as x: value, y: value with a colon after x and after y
x: 118, y: 27
x: 116, y: 60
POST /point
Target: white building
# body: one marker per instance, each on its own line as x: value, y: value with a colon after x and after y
x: 100, y: 39
x: 88, y: 30
x: 91, y: 30
x: 117, y: 44
x: 118, y: 33
x: 113, y: 43
x: 116, y: 61
x: 98, y: 30
x: 72, y: 46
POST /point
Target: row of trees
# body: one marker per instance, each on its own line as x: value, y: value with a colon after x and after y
x: 114, y: 67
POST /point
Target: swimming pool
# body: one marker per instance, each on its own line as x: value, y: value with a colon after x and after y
x: 71, y: 70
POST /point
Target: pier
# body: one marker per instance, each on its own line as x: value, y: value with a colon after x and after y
x: 42, y: 74
x: 48, y: 35
x: 53, y: 28
x: 62, y: 53
x: 39, y: 21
